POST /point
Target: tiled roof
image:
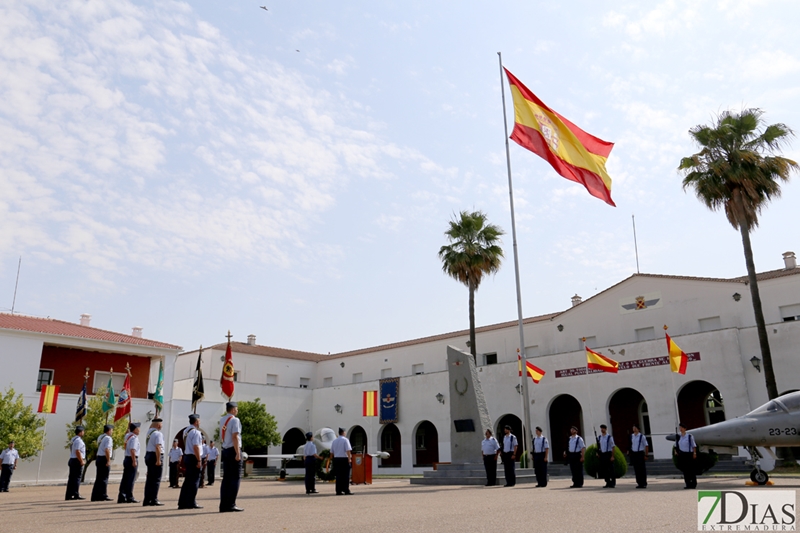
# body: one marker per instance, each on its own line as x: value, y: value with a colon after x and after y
x: 270, y: 351
x: 52, y: 326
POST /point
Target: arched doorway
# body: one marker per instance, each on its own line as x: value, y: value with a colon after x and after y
x: 390, y: 442
x: 625, y: 408
x: 426, y: 444
x: 700, y: 404
x: 565, y: 411
x: 293, y: 439
x: 516, y: 429
x: 358, y: 439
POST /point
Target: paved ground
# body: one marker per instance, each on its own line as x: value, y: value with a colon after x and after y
x: 386, y: 506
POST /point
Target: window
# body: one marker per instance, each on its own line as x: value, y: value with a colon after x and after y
x: 386, y: 373
x: 790, y: 313
x: 101, y: 381
x: 591, y: 342
x: 235, y: 376
x: 710, y: 323
x: 272, y: 379
x: 490, y: 359
x: 327, y: 382
x: 45, y: 378
x: 645, y: 334
x: 358, y: 377
x: 304, y: 383
x: 418, y: 369
x: 421, y: 438
x: 532, y: 351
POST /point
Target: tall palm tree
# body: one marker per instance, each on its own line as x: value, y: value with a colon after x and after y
x: 473, y: 252
x: 737, y: 169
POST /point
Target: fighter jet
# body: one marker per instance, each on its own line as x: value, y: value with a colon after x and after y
x: 776, y: 423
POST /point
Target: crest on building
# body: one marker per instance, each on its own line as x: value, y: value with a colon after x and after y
x: 640, y: 302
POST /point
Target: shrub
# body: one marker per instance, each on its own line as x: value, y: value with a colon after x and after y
x: 591, y: 462
x: 705, y: 462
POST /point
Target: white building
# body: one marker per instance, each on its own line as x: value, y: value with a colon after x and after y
x: 710, y: 318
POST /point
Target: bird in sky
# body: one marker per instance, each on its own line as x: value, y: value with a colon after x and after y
x: 264, y: 8
x: 297, y: 50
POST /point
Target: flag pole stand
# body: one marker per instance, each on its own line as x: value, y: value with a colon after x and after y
x: 526, y: 407
x: 41, y: 455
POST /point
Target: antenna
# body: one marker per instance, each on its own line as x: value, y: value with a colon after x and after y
x: 635, y: 245
x: 16, y: 284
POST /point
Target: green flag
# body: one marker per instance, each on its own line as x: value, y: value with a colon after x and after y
x: 158, y: 397
x: 110, y: 401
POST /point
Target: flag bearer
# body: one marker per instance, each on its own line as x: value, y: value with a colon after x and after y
x: 541, y: 449
x: 230, y: 430
x: 175, y: 455
x: 574, y: 454
x: 686, y: 451
x: 193, y: 443
x: 77, y: 458
x: 510, y: 447
x: 8, y: 459
x: 105, y: 447
x: 310, y: 460
x: 154, y: 459
x: 605, y: 452
x: 638, y: 455
x: 130, y: 465
x: 490, y: 449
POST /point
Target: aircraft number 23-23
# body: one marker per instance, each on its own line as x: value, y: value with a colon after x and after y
x: 784, y: 431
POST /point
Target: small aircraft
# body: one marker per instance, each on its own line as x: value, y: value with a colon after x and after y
x: 776, y: 423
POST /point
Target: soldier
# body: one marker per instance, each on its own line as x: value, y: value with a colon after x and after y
x: 341, y: 451
x: 154, y: 459
x: 686, y: 451
x: 203, y: 464
x: 130, y: 465
x: 638, y: 455
x: 605, y: 452
x: 509, y: 456
x: 490, y: 449
x: 105, y: 447
x: 8, y: 458
x: 175, y: 456
x: 193, y: 443
x: 211, y: 464
x: 541, y: 449
x: 574, y: 454
x: 310, y: 460
x: 230, y: 431
x: 77, y: 458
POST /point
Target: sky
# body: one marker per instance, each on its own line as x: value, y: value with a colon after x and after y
x: 194, y: 168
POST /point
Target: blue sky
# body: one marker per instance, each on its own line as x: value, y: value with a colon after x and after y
x: 197, y: 167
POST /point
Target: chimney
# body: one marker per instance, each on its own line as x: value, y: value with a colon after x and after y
x: 790, y: 260
x: 576, y: 300
x: 86, y: 319
x: 137, y: 332
x: 251, y: 340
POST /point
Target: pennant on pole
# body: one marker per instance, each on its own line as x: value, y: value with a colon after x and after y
x: 158, y: 397
x: 124, y: 399
x: 198, y: 391
x: 226, y: 380
x: 110, y: 401
x: 80, y: 409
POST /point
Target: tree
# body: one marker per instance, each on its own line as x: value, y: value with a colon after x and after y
x: 18, y: 422
x: 93, y: 423
x: 473, y: 252
x: 737, y: 169
x: 259, y: 428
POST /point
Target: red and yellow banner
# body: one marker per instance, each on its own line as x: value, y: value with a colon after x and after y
x: 534, y: 372
x: 49, y: 399
x: 226, y: 380
x: 370, y: 403
x: 596, y: 361
x: 124, y: 399
x: 677, y: 357
x: 573, y: 153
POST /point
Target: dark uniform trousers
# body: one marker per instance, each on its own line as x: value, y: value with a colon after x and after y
x: 638, y: 463
x: 5, y: 477
x: 508, y: 467
x: 576, y: 467
x: 100, y: 489
x: 153, y: 481
x: 311, y: 472
x: 74, y: 479
x: 211, y: 468
x: 128, y: 479
x: 607, y: 469
x: 540, y: 468
x: 173, y: 473
x: 490, y: 464
x: 687, y: 464
x: 231, y: 477
x: 341, y: 469
x: 191, y: 483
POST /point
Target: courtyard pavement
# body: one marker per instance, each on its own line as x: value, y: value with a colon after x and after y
x: 386, y: 506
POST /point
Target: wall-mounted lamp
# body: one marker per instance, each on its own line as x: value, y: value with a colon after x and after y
x: 341, y: 364
x: 150, y: 415
x: 338, y: 408
x: 756, y: 362
x: 440, y: 398
x: 737, y: 296
x: 469, y: 344
x: 519, y: 388
x: 560, y: 327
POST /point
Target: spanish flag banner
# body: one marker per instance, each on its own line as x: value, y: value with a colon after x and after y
x: 370, y: 403
x: 596, y: 361
x: 573, y: 153
x: 49, y: 399
x: 677, y: 357
x: 534, y: 372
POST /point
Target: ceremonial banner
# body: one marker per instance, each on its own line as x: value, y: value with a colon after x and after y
x: 80, y: 409
x: 110, y: 401
x: 124, y: 400
x: 370, y: 403
x: 48, y: 399
x: 389, y: 391
x: 158, y: 397
x: 226, y: 380
x: 677, y: 357
x: 198, y: 390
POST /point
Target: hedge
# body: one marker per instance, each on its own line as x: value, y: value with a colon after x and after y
x: 591, y: 462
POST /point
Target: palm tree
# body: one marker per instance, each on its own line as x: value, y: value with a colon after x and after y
x: 737, y: 170
x: 473, y: 251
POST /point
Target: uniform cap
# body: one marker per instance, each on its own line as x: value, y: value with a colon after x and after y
x: 78, y: 429
x: 538, y: 428
x: 508, y: 428
x: 603, y: 426
x: 231, y: 405
x: 309, y: 435
x: 573, y: 427
x: 341, y: 430
x: 133, y: 425
x: 157, y: 420
x: 175, y: 441
x: 193, y: 418
x: 683, y: 425
x: 107, y: 428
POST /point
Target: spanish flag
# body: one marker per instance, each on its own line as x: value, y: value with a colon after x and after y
x: 49, y: 399
x: 370, y: 403
x: 573, y: 153
x: 595, y: 361
x: 677, y: 357
x: 534, y: 372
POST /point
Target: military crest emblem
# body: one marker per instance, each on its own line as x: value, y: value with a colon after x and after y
x: 548, y: 129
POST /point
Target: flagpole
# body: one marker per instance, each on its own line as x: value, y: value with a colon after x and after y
x: 526, y: 407
x: 674, y: 392
x: 591, y: 409
x: 41, y: 455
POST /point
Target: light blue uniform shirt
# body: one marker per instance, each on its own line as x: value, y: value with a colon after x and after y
x: 540, y: 444
x: 638, y: 443
x: 606, y: 443
x: 77, y: 445
x: 686, y: 443
x: 175, y: 454
x: 340, y: 446
x: 576, y: 444
x: 104, y: 442
x: 509, y: 441
x: 131, y: 445
x: 489, y: 446
x: 154, y: 438
x: 234, y: 426
x: 9, y: 456
x: 310, y: 449
x: 213, y: 453
x: 192, y: 438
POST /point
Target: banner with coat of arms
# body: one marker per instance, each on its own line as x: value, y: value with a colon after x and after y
x: 389, y: 397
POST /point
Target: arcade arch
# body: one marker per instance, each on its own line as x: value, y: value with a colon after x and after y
x: 565, y: 411
x: 700, y: 404
x: 358, y: 439
x: 293, y: 439
x: 516, y: 428
x: 627, y: 407
x: 426, y: 444
x: 390, y: 442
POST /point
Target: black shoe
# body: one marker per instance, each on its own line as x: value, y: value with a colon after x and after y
x: 233, y: 509
x: 348, y: 493
x: 132, y: 500
x: 121, y: 500
x: 191, y: 507
x: 78, y: 498
x: 641, y: 486
x: 338, y: 493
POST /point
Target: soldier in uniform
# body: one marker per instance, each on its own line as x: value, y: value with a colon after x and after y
x: 341, y: 451
x: 130, y: 465
x: 638, y: 455
x: 154, y: 459
x: 193, y: 444
x: 509, y: 456
x: 574, y: 454
x: 230, y: 430
x: 490, y: 449
x: 541, y: 449
x: 310, y: 461
x: 605, y: 453
x: 211, y: 463
x: 105, y: 447
x: 203, y: 464
x: 686, y: 451
x: 8, y: 459
x: 77, y: 458
x: 175, y: 455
